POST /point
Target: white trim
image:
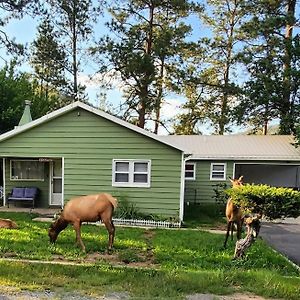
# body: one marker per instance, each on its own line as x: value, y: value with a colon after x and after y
x: 194, y: 170
x: 51, y: 177
x: 131, y: 173
x: 25, y: 179
x: 4, y: 183
x: 182, y: 187
x: 211, y: 170
x: 93, y: 110
x: 266, y: 163
x: 247, y: 158
x: 62, y: 181
x: 50, y: 185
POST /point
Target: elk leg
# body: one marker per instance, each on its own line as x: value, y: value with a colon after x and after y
x: 227, y: 232
x: 79, y: 242
x: 111, y: 231
x: 239, y: 230
x: 231, y: 231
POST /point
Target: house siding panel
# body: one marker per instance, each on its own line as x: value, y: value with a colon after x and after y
x: 89, y: 144
x: 201, y: 190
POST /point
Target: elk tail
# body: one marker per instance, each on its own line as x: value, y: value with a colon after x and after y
x: 113, y: 201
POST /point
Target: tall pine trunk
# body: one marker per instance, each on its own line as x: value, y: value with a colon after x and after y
x: 144, y: 91
x: 286, y: 118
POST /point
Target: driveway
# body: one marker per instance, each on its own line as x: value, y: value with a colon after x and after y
x: 284, y: 236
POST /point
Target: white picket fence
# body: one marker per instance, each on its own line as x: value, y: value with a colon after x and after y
x: 147, y: 223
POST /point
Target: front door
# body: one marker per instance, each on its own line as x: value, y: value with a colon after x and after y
x: 56, y: 182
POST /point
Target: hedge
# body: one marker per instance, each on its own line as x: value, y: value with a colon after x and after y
x: 271, y: 202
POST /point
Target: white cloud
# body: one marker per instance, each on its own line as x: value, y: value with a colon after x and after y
x: 98, y: 80
x: 170, y: 108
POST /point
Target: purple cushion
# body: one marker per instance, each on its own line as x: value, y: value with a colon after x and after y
x: 18, y: 192
x: 30, y: 192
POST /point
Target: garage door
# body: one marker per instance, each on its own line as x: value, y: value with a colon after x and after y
x: 273, y: 175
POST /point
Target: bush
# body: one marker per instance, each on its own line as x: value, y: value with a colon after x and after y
x: 220, y: 197
x: 126, y: 209
x: 272, y: 202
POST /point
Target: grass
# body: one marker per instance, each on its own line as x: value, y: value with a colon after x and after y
x: 204, y: 215
x: 170, y: 263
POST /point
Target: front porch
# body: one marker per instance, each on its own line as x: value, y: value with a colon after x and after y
x: 45, y: 212
x: 45, y: 174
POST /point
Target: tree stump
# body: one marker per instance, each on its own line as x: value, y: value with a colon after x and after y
x: 242, y: 245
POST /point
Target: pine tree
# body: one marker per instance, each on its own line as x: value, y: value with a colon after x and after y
x: 14, y: 9
x: 272, y: 61
x: 74, y: 20
x: 212, y: 84
x: 48, y: 60
x: 148, y: 40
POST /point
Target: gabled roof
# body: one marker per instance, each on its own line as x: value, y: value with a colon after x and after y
x: 238, y: 147
x: 93, y: 110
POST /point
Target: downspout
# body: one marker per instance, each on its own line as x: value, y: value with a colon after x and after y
x: 62, y: 181
x: 4, y: 188
x: 182, y: 187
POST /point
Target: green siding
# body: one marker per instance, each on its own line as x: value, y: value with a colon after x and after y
x: 202, y: 189
x: 88, y: 144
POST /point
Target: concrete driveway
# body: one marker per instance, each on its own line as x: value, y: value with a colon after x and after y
x: 283, y: 236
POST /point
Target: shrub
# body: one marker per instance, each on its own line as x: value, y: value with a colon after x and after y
x: 272, y: 202
x: 220, y: 197
x: 126, y: 209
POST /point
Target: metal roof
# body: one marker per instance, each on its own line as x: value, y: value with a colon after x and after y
x: 238, y: 147
x: 93, y: 110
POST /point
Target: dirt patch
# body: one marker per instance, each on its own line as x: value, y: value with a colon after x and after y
x: 140, y: 258
x: 236, y: 296
x: 10, y: 293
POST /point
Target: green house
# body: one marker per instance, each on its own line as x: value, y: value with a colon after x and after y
x: 79, y: 150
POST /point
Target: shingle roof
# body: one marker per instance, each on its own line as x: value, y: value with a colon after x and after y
x: 238, y: 147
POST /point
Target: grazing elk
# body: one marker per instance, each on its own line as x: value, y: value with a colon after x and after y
x: 234, y: 214
x: 89, y: 208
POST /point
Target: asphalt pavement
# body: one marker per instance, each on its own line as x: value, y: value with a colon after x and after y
x: 283, y: 236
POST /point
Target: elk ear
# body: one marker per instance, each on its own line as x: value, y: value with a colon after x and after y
x: 230, y: 179
x: 241, y: 178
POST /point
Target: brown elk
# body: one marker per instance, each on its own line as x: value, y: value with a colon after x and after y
x: 7, y: 223
x: 234, y: 214
x: 89, y: 208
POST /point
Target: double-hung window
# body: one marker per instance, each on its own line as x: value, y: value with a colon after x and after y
x: 26, y: 170
x: 218, y: 171
x: 190, y: 171
x: 131, y: 173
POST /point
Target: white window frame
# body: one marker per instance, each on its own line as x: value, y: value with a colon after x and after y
x: 24, y: 179
x: 131, y: 173
x: 194, y: 170
x: 212, y: 171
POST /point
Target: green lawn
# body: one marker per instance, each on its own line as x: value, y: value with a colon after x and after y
x: 170, y: 263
